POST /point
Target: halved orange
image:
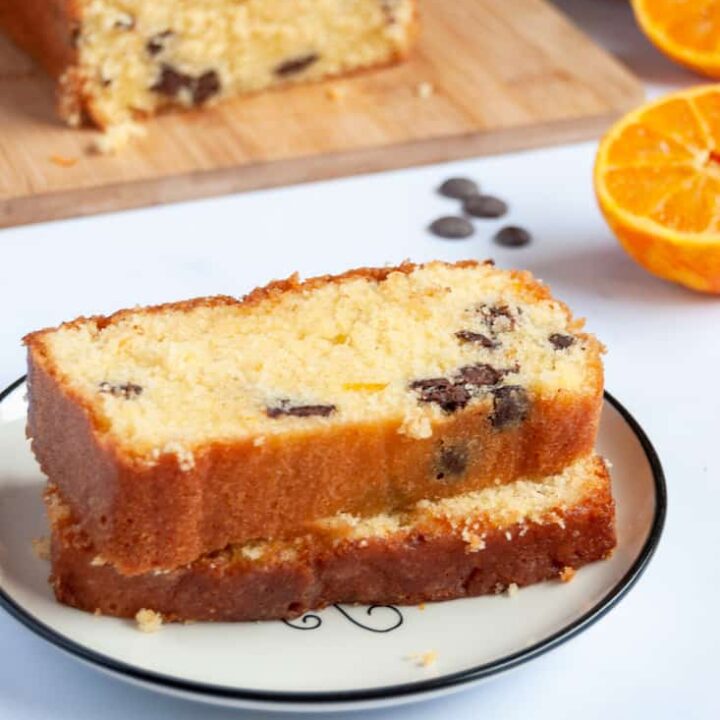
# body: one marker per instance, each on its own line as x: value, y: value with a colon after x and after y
x: 657, y: 179
x: 688, y: 31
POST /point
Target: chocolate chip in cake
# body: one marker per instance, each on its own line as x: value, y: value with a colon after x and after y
x: 286, y: 408
x: 479, y: 375
x: 452, y: 227
x: 441, y: 391
x: 205, y: 87
x: 512, y: 236
x: 511, y: 405
x: 125, y: 390
x: 156, y: 44
x: 485, y: 206
x: 560, y: 341
x: 296, y: 65
x: 459, y: 188
x: 468, y: 336
x: 451, y: 462
x: 497, y: 318
x: 171, y: 82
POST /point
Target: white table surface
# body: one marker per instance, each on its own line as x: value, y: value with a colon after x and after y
x: 656, y: 654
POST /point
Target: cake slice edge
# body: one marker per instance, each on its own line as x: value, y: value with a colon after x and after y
x: 547, y: 531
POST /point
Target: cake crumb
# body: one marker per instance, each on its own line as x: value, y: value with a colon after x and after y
x: 253, y: 551
x: 424, y: 90
x: 421, y: 606
x: 97, y: 612
x: 148, y: 621
x: 512, y: 590
x: 116, y: 137
x: 185, y: 457
x: 475, y: 542
x: 98, y: 561
x: 567, y: 574
x: 423, y: 659
x: 416, y: 425
x: 336, y: 93
x: 63, y: 161
x: 41, y: 548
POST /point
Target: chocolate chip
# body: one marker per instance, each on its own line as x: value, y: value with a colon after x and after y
x: 441, y: 391
x: 459, y: 188
x: 497, y: 318
x: 126, y: 390
x: 285, y: 408
x: 171, y: 82
x: 296, y: 65
x: 512, y: 236
x: 468, y: 336
x: 156, y: 44
x: 560, y: 341
x: 485, y: 206
x: 452, y: 227
x: 207, y: 85
x: 451, y: 462
x: 511, y: 405
x: 479, y: 375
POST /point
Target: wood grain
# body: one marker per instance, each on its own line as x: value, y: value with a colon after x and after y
x: 506, y: 75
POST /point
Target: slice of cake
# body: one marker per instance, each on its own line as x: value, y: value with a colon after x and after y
x: 473, y: 544
x: 175, y: 430
x: 120, y: 59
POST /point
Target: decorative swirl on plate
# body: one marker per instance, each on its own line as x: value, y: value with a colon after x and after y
x: 311, y: 621
x: 395, y: 619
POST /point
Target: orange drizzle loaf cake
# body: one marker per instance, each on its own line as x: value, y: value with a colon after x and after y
x: 473, y: 544
x: 175, y: 430
x: 120, y: 59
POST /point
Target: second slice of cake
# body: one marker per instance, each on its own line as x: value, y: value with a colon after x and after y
x: 176, y: 430
x: 473, y: 544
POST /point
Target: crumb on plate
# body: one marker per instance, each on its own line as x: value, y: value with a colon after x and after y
x: 567, y: 573
x: 424, y: 659
x: 148, y: 620
x: 41, y: 547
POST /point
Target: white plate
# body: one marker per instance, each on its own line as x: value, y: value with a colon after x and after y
x: 343, y: 657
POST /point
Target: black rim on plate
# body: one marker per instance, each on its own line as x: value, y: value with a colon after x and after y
x: 158, y: 680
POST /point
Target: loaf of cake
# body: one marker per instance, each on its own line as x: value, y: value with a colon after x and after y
x: 117, y: 60
x: 473, y: 544
x: 176, y: 430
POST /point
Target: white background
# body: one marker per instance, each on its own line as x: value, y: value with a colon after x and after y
x: 655, y: 655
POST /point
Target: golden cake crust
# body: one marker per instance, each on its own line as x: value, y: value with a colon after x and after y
x: 319, y: 569
x: 143, y: 517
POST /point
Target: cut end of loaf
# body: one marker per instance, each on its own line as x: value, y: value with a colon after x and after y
x: 136, y: 58
x: 530, y: 531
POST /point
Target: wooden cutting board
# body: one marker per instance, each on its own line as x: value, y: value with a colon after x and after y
x: 506, y: 74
